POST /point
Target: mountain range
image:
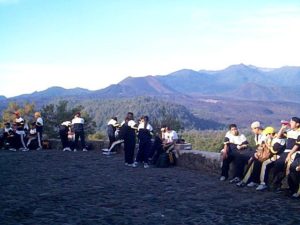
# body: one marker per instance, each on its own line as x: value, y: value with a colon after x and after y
x: 225, y: 95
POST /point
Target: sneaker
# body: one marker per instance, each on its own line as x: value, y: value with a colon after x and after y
x: 235, y: 180
x: 146, y: 166
x: 105, y: 149
x: 252, y: 184
x: 222, y: 178
x: 75, y: 150
x: 126, y: 164
x: 84, y: 150
x: 261, y: 187
x: 25, y: 149
x: 12, y: 149
x: 241, y: 184
x: 39, y: 148
x: 296, y: 195
x: 135, y: 164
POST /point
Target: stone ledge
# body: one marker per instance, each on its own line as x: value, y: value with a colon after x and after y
x: 199, y: 160
x: 93, y: 145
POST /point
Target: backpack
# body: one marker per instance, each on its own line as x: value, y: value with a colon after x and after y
x: 163, y: 160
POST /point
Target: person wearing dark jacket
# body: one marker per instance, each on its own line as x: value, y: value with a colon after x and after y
x: 78, y: 128
x: 127, y: 133
x: 111, y: 130
x: 144, y: 136
x: 64, y: 129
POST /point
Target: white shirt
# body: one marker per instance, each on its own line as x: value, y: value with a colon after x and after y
x: 237, y: 140
x: 78, y: 120
x: 142, y: 126
x: 40, y: 121
x: 171, y: 136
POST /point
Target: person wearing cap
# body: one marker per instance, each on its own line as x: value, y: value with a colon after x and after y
x: 64, y: 129
x: 78, y: 128
x: 269, y: 147
x: 234, y: 144
x: 281, y: 166
x: 258, y: 132
x: 39, y: 129
x: 276, y: 148
x: 20, y: 123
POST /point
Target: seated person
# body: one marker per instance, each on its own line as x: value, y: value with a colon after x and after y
x: 169, y: 138
x: 234, y: 145
x: 32, y: 142
x: 8, y: 138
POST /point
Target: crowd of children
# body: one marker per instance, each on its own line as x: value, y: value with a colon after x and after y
x: 147, y: 151
x: 273, y: 164
x: 18, y: 135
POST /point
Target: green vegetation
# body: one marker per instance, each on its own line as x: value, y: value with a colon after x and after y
x: 211, y: 140
x: 54, y: 115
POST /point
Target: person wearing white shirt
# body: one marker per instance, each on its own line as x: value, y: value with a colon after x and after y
x: 234, y: 144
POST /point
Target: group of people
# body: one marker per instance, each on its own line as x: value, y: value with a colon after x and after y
x: 129, y: 131
x: 275, y: 159
x: 70, y: 132
x: 18, y: 135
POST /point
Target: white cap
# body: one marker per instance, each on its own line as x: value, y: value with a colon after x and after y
x: 255, y: 124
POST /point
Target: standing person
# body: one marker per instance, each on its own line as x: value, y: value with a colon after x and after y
x: 127, y: 133
x: 78, y: 127
x: 20, y: 123
x: 111, y: 130
x: 64, y: 129
x: 144, y: 136
x: 39, y: 129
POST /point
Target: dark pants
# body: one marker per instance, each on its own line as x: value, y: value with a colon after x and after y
x: 255, y: 176
x: 112, y: 139
x: 294, y: 176
x: 239, y: 159
x: 279, y: 170
x: 64, y: 140
x: 82, y: 139
x: 144, y: 152
x: 129, y: 146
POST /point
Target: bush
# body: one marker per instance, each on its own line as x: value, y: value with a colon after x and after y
x: 96, y: 136
x: 211, y: 140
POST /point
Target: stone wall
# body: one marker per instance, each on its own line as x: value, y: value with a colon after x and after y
x: 92, y: 145
x: 199, y: 160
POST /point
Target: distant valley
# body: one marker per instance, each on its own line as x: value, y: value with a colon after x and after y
x: 239, y: 93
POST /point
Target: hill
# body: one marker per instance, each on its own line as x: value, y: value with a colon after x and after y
x: 202, y: 99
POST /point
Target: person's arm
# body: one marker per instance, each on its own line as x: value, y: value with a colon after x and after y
x: 294, y: 149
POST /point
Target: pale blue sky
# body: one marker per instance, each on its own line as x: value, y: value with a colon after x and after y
x: 95, y: 43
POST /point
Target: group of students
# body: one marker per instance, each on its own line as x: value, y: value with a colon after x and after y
x: 18, y: 135
x: 128, y: 131
x: 70, y: 132
x: 275, y: 159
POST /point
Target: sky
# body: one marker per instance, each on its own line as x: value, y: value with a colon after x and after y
x: 95, y: 43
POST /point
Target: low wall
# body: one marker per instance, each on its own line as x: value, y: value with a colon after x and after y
x: 199, y: 160
x: 93, y: 145
x: 191, y: 159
